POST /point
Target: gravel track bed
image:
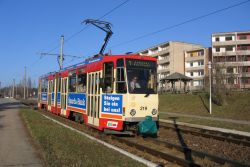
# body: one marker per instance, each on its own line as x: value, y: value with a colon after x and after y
x: 212, y: 146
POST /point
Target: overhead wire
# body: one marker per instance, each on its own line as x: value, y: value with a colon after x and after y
x: 179, y: 24
x: 78, y: 32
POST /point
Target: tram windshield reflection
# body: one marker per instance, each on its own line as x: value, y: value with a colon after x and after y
x: 141, y: 75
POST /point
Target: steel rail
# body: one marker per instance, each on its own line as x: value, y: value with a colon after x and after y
x: 229, y: 137
x: 217, y: 159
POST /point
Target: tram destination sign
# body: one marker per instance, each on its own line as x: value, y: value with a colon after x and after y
x: 132, y: 63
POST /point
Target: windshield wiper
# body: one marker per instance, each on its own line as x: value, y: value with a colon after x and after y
x: 147, y: 93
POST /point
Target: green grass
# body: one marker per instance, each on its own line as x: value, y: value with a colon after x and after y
x: 62, y: 147
x: 219, y: 124
x: 238, y: 105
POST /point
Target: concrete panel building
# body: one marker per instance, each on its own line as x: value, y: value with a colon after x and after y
x: 231, y: 52
x: 196, y: 66
x: 170, y: 57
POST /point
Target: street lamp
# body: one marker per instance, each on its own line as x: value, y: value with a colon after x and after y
x: 210, y: 85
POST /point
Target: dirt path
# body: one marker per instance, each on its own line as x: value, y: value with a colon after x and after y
x: 15, y: 147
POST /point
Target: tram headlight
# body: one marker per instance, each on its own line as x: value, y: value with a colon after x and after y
x: 154, y: 111
x: 133, y: 112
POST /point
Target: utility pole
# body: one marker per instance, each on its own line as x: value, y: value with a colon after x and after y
x: 24, y: 85
x: 13, y: 89
x: 60, y: 57
x: 61, y: 53
x: 210, y: 86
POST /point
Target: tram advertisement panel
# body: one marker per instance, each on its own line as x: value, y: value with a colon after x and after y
x: 44, y: 97
x: 77, y: 100
x: 112, y: 104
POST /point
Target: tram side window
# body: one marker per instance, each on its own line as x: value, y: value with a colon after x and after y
x: 72, y: 83
x: 120, y: 81
x: 108, y: 77
x: 59, y: 84
x: 44, y: 85
x: 81, y: 80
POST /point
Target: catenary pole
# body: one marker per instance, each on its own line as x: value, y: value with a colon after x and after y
x: 24, y: 85
x: 61, y: 52
x: 210, y: 86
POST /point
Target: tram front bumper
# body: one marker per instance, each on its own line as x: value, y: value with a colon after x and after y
x: 138, y: 119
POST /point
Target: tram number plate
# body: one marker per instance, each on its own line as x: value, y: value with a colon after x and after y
x: 143, y: 108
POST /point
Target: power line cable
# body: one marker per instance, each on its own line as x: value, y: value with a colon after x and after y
x: 181, y: 23
x: 78, y: 32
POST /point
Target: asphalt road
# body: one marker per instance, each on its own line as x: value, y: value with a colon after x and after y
x: 15, y: 146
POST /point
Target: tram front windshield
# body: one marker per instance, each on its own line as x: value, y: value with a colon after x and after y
x: 141, y: 75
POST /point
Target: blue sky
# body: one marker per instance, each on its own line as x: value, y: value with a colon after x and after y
x: 28, y: 27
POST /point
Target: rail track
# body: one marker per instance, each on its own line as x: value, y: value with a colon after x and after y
x: 159, y: 150
x: 228, y: 137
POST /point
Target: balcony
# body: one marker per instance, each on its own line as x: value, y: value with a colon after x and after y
x: 194, y: 68
x: 245, y: 74
x: 233, y: 64
x: 160, y: 52
x: 194, y: 58
x: 243, y: 52
x: 243, y: 41
x: 232, y: 53
x: 163, y: 70
x: 162, y: 61
x: 227, y: 53
x: 196, y: 78
x: 223, y: 43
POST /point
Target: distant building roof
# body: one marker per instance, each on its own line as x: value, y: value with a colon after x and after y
x: 176, y: 77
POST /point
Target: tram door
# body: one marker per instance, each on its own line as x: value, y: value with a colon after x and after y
x: 93, y: 107
x: 56, y: 85
x: 50, y: 94
x: 64, y: 82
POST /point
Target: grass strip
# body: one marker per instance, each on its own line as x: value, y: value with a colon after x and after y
x: 219, y: 124
x: 237, y: 107
x: 62, y: 147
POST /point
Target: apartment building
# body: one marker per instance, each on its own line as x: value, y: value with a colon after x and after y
x: 196, y: 66
x: 170, y: 58
x: 231, y: 53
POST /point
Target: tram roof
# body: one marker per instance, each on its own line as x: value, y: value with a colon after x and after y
x: 96, y: 59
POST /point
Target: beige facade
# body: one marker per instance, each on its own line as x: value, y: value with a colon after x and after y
x: 231, y: 52
x: 170, y: 59
x: 196, y: 67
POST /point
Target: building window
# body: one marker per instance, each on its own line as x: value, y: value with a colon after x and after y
x: 217, y: 49
x: 242, y: 37
x: 191, y: 64
x: 191, y: 74
x: 229, y: 48
x: 200, y: 83
x: 200, y: 63
x: 242, y: 47
x: 191, y: 54
x: 230, y: 70
x: 201, y: 53
x: 229, y: 38
x: 217, y: 39
x: 201, y: 73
